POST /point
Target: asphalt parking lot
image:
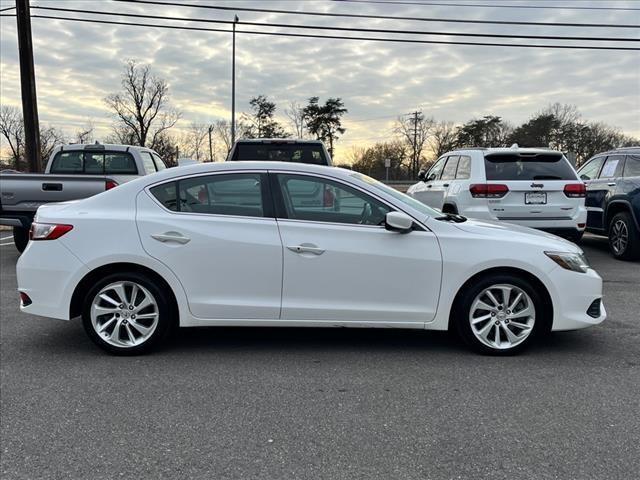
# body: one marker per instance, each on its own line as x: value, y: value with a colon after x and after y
x: 322, y: 404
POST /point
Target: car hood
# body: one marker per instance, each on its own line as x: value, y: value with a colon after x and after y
x: 514, y: 232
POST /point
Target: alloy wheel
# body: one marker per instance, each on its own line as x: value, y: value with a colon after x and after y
x: 124, y: 314
x: 619, y: 236
x: 502, y: 316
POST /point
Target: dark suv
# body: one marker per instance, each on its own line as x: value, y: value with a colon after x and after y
x: 613, y: 199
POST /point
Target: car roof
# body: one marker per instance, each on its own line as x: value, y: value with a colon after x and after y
x: 632, y: 150
x: 504, y: 150
x: 102, y: 146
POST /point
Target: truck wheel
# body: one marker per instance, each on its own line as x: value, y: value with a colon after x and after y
x: 20, y: 238
x: 624, y: 238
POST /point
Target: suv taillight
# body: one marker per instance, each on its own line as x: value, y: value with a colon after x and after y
x: 488, y: 190
x: 109, y: 184
x: 575, y: 190
x: 47, y: 231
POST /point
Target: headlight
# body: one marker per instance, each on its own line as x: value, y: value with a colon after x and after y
x: 570, y: 261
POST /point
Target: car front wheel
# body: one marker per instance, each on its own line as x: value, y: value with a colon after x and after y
x: 20, y: 238
x: 624, y: 238
x: 499, y: 315
x: 126, y: 314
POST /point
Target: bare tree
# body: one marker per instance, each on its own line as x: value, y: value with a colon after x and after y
x: 193, y: 143
x: 295, y: 114
x: 415, y: 132
x: 142, y: 109
x: 85, y: 133
x: 12, y: 129
x: 443, y: 138
x: 50, y: 137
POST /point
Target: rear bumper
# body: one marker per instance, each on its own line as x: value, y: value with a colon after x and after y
x: 48, y: 272
x: 559, y: 225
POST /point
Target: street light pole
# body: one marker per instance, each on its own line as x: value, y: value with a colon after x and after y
x: 233, y: 82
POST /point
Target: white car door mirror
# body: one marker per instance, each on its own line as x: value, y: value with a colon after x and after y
x: 398, y: 222
x: 421, y: 175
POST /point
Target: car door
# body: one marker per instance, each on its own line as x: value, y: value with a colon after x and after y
x: 217, y: 233
x: 441, y: 188
x: 601, y: 189
x: 340, y: 263
x: 588, y: 173
x: 423, y: 191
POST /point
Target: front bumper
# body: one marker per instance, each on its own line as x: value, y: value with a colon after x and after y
x: 573, y: 294
x: 48, y: 272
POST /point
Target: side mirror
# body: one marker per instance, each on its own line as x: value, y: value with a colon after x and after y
x: 421, y: 174
x: 398, y: 222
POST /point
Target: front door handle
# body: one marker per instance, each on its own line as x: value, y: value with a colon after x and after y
x: 445, y: 185
x: 306, y: 248
x: 429, y: 186
x: 611, y: 184
x: 171, y: 237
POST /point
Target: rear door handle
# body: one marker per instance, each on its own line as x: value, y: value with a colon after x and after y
x: 52, y: 187
x: 612, y: 184
x: 445, y: 184
x: 304, y: 248
x: 171, y: 237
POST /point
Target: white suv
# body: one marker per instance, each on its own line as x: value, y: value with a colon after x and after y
x: 532, y: 187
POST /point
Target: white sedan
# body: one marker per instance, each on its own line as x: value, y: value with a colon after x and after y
x: 283, y: 244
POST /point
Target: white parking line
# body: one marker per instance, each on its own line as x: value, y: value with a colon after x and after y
x: 5, y: 238
x: 8, y: 243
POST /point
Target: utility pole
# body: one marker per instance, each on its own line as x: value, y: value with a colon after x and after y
x: 233, y: 82
x: 414, y: 166
x: 28, y: 86
x: 209, y: 130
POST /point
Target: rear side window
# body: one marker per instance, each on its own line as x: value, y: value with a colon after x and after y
x: 612, y: 167
x: 464, y: 168
x: 228, y: 194
x: 68, y: 162
x: 276, y: 152
x: 590, y: 170
x: 449, y: 170
x: 632, y: 166
x: 545, y: 166
x: 159, y: 162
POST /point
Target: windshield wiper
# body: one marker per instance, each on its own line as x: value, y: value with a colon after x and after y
x: 452, y: 217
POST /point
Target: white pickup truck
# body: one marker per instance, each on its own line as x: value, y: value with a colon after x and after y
x: 72, y: 172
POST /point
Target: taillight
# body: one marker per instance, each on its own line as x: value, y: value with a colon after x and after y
x: 109, y: 184
x: 48, y: 231
x: 575, y: 190
x: 488, y: 190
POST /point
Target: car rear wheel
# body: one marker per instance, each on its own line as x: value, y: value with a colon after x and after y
x: 126, y: 314
x: 20, y: 238
x: 624, y: 238
x: 499, y: 315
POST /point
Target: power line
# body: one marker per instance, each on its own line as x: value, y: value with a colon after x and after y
x: 484, y: 5
x: 378, y: 17
x: 343, y: 29
x: 7, y: 8
x: 334, y: 37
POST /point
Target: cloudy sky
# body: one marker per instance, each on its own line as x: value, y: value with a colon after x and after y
x: 78, y: 64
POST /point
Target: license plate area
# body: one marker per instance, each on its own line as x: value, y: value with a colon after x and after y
x: 535, y: 198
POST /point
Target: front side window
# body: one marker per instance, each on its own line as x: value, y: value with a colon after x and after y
x: 147, y: 161
x: 223, y: 194
x: 434, y: 173
x: 632, y: 166
x: 612, y: 167
x: 449, y: 170
x: 322, y: 200
x: 590, y: 170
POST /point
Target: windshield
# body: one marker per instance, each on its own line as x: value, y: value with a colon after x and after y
x: 404, y: 198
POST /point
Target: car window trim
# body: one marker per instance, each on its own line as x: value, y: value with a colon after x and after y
x: 457, y: 157
x: 267, y: 206
x: 460, y: 157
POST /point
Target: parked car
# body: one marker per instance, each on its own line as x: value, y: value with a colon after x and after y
x: 261, y: 244
x: 72, y: 172
x: 281, y: 150
x: 531, y: 187
x: 613, y: 199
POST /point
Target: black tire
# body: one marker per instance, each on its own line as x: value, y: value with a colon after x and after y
x: 460, y: 318
x: 164, y: 309
x: 629, y: 250
x: 20, y: 238
x: 575, y: 237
